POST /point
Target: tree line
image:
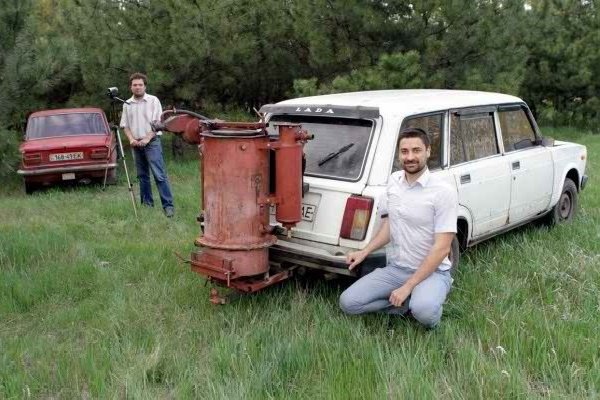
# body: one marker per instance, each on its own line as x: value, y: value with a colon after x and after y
x: 222, y: 55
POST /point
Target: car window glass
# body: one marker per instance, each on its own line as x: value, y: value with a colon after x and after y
x: 433, y: 126
x: 66, y: 125
x: 472, y: 137
x: 517, y: 132
x: 339, y: 147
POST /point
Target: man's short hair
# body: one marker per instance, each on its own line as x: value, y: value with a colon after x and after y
x: 138, y: 75
x: 415, y: 133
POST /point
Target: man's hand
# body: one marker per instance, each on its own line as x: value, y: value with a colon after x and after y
x: 134, y: 142
x: 143, y: 142
x: 355, y: 257
x: 400, y: 295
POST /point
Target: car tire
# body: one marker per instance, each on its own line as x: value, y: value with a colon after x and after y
x: 564, y: 210
x: 454, y: 255
x: 29, y: 187
x: 111, y: 177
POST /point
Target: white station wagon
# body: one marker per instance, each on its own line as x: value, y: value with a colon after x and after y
x: 486, y: 145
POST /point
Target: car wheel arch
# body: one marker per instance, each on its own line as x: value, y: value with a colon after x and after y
x: 464, y: 226
x: 462, y: 233
x: 572, y: 174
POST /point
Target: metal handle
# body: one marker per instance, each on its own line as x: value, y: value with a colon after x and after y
x: 465, y: 179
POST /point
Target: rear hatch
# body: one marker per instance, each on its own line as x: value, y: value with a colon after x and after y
x: 335, y: 169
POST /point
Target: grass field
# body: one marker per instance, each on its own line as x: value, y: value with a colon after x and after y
x: 94, y: 304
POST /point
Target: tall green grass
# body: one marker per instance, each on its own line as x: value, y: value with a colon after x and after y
x: 94, y: 304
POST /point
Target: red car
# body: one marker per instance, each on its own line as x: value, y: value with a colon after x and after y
x: 67, y: 145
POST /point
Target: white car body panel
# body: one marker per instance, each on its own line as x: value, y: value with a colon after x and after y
x: 492, y: 177
x: 532, y: 182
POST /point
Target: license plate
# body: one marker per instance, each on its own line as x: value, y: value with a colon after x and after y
x: 77, y: 155
x: 68, y: 176
x: 308, y: 212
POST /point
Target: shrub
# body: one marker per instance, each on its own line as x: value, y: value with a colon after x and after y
x: 9, y: 153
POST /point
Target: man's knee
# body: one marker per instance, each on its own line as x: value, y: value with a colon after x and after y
x: 349, y: 304
x: 160, y: 178
x: 426, y: 312
x: 159, y: 172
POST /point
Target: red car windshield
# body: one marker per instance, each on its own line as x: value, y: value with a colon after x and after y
x: 66, y: 125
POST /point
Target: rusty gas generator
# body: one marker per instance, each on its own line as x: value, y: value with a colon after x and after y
x: 244, y: 174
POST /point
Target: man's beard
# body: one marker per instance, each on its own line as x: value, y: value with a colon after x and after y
x: 414, y: 172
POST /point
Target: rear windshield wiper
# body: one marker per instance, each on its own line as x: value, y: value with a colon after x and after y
x: 333, y: 155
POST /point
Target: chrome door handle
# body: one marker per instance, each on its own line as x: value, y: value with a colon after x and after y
x: 465, y: 179
x: 516, y: 165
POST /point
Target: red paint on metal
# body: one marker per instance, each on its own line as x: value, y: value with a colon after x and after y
x: 251, y: 285
x: 235, y: 177
x: 236, y: 197
x: 288, y: 176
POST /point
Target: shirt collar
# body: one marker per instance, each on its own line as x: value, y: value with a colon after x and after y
x: 423, y: 179
x: 145, y: 98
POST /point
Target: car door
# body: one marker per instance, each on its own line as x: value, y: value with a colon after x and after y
x: 482, y: 176
x: 530, y: 164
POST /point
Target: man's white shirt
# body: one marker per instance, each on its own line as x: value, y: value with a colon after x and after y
x: 138, y: 114
x: 416, y: 213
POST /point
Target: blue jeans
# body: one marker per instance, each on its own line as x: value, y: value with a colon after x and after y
x: 371, y: 293
x: 150, y: 158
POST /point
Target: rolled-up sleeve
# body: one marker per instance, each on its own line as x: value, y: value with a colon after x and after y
x: 124, y: 123
x: 382, y: 204
x: 156, y: 112
x: 446, y: 211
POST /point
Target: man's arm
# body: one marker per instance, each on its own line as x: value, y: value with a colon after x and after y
x: 147, y: 138
x: 440, y: 249
x: 132, y: 141
x: 379, y: 240
x: 124, y: 124
x: 156, y: 114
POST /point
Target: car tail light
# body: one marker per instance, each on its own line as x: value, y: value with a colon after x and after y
x: 356, y: 217
x: 99, y: 153
x: 32, y: 158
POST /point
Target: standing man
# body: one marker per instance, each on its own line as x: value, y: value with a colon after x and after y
x: 418, y: 215
x: 141, y: 109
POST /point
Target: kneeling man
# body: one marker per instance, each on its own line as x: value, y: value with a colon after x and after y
x: 419, y: 213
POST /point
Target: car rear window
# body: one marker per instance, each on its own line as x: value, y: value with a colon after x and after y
x: 339, y: 148
x: 65, y: 125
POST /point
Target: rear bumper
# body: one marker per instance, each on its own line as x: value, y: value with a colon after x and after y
x: 62, y: 170
x: 331, y: 259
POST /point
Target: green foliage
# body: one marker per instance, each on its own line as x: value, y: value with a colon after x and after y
x: 9, y: 154
x: 245, y: 53
x: 462, y: 45
x: 393, y: 71
x: 561, y: 78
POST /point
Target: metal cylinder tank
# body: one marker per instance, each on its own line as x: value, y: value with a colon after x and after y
x: 288, y: 175
x: 236, y: 218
